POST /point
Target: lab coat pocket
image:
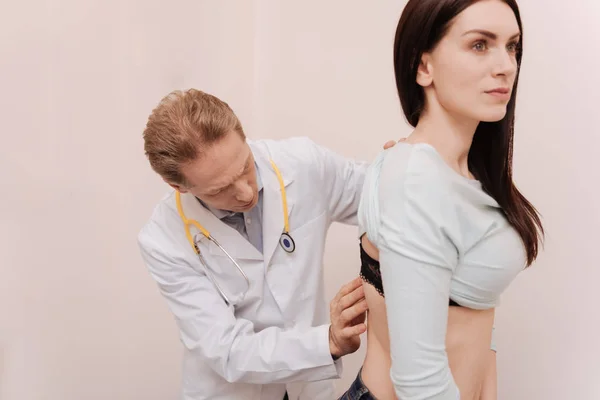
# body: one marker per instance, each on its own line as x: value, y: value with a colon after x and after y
x: 303, y: 267
x: 310, y: 228
x: 234, y: 282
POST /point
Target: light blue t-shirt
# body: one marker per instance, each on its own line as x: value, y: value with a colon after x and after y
x: 440, y: 236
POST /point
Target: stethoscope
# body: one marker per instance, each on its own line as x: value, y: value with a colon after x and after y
x: 285, y: 241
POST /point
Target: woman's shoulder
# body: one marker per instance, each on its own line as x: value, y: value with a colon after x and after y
x: 399, y: 179
x: 417, y: 171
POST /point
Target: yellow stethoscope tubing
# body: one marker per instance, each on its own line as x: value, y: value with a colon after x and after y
x: 187, y: 222
x: 286, y: 221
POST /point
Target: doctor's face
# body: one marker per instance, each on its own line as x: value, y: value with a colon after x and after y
x: 224, y: 176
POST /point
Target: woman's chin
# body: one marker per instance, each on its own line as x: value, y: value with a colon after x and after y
x: 493, y: 115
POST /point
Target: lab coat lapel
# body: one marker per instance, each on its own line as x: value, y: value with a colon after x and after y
x: 236, y: 245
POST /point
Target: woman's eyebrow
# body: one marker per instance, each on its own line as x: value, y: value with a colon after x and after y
x: 489, y: 34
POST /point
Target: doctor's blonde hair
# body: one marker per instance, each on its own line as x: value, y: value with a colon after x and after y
x: 178, y: 128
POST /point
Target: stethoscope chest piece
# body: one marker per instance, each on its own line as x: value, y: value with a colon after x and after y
x: 287, y: 243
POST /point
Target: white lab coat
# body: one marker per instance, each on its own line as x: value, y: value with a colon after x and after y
x: 277, y: 338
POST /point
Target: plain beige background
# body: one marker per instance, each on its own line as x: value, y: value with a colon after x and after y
x: 80, y: 317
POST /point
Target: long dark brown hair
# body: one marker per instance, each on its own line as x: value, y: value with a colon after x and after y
x: 422, y: 25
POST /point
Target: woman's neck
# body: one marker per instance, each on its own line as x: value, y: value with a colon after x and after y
x: 451, y: 137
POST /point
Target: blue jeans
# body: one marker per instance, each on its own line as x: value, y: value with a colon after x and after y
x: 358, y: 390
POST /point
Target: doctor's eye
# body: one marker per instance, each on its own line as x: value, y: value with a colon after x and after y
x: 213, y: 194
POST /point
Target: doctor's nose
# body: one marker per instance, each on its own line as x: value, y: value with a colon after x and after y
x: 244, y: 192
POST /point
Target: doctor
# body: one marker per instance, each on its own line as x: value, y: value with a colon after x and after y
x: 237, y: 251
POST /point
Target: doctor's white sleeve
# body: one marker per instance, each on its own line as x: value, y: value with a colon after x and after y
x: 342, y: 179
x: 231, y: 346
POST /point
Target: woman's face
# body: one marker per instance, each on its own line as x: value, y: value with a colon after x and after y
x: 471, y: 71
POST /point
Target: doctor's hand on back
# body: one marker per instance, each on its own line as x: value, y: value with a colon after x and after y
x: 348, y: 313
x: 348, y: 310
x: 236, y: 250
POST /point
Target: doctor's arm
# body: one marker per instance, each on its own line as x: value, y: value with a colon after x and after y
x: 230, y: 345
x: 342, y: 180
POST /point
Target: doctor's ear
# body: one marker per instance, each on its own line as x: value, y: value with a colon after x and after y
x: 179, y: 188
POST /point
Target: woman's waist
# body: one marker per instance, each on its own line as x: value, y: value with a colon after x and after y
x: 469, y: 328
x: 466, y: 329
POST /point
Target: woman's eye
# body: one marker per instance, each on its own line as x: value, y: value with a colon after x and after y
x: 480, y: 46
x: 513, y: 47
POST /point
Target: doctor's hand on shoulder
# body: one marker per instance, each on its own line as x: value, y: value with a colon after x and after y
x: 392, y: 143
x: 348, y: 313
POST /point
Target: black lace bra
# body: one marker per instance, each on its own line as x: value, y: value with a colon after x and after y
x: 370, y: 273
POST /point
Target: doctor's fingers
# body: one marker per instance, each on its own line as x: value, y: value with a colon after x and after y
x: 351, y: 298
x: 392, y: 143
x: 388, y: 144
x: 348, y: 288
x: 354, y: 330
x: 351, y: 313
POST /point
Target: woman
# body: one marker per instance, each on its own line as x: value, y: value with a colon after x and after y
x: 445, y: 229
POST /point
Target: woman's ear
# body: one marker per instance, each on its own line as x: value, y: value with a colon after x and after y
x: 425, y: 71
